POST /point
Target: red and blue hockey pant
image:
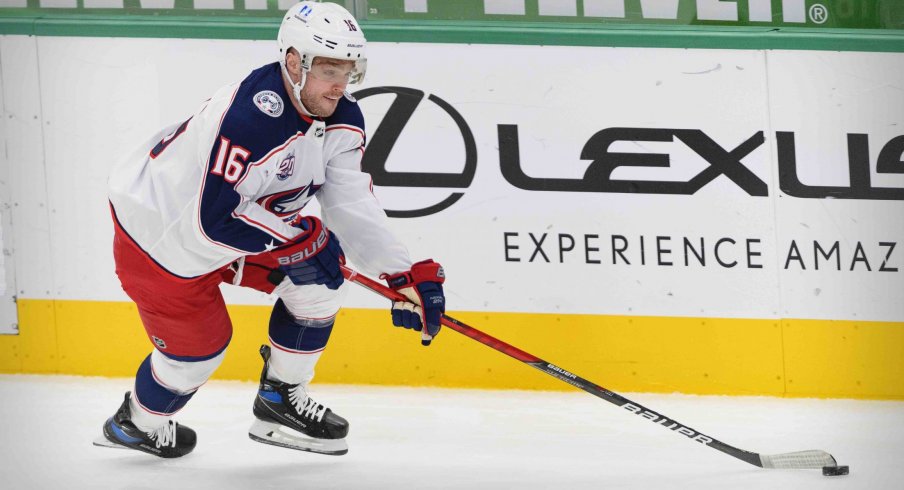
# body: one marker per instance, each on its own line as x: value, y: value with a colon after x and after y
x: 187, y: 321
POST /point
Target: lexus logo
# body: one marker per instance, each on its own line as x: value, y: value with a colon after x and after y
x: 402, y: 108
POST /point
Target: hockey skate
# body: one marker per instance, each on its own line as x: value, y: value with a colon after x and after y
x: 170, y: 441
x: 286, y: 416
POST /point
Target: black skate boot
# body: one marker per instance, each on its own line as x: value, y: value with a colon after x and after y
x: 170, y: 441
x: 286, y: 416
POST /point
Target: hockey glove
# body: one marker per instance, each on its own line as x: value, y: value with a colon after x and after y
x: 313, y: 257
x: 423, y: 286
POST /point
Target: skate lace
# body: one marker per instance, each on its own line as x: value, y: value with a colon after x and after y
x: 305, y: 405
x: 164, y: 436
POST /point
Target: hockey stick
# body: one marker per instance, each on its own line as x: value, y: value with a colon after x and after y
x: 811, y: 459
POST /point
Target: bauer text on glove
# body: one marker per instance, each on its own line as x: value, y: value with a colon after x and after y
x: 313, y: 257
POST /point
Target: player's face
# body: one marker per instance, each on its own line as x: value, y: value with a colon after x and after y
x: 325, y: 84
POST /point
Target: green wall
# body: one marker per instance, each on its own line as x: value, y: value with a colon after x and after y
x: 846, y: 25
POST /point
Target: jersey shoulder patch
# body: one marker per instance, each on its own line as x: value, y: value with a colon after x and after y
x: 269, y: 102
x: 261, y: 93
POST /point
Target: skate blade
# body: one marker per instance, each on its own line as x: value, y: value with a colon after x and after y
x: 104, y: 442
x: 278, y: 435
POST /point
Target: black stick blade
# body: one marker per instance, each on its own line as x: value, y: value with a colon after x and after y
x: 835, y: 470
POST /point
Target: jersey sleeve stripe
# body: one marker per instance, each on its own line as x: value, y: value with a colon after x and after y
x: 200, y: 221
x: 346, y: 127
x: 261, y: 227
x: 228, y: 106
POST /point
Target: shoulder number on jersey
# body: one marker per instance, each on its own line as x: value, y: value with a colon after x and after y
x: 230, y: 161
x: 159, y: 147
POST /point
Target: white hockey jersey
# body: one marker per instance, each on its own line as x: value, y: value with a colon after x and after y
x: 228, y: 181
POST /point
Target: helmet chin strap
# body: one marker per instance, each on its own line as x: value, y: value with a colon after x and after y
x: 296, y: 88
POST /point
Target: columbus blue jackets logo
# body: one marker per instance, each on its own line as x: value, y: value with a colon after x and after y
x: 269, y: 102
x: 286, y: 167
x: 288, y: 202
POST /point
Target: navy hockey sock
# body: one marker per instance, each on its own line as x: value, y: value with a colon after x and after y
x: 153, y: 396
x: 303, y: 336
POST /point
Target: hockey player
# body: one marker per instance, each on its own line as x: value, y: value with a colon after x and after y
x: 220, y: 197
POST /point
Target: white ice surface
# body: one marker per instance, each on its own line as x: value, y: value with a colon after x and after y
x: 406, y: 438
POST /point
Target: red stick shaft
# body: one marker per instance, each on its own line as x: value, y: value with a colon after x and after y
x: 458, y: 326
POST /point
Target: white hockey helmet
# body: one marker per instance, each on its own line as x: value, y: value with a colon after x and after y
x: 323, y: 29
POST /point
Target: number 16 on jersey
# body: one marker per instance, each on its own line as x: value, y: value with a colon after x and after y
x: 230, y: 160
